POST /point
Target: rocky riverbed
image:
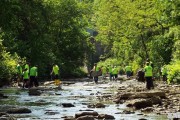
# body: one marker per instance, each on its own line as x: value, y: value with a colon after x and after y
x: 81, y: 99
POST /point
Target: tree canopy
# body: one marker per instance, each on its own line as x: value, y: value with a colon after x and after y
x: 55, y: 31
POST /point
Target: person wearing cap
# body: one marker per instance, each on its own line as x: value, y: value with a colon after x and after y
x: 33, y: 77
x: 148, y: 76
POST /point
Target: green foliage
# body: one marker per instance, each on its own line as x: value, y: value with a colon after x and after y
x: 78, y: 73
x: 46, y: 32
x: 174, y: 72
x: 8, y: 64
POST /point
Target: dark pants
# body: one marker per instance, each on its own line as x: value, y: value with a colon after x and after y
x: 115, y: 76
x: 96, y: 79
x: 26, y: 83
x: 149, y: 83
x: 56, y: 76
x: 33, y: 81
x: 110, y: 76
x: 128, y: 73
x: 164, y: 78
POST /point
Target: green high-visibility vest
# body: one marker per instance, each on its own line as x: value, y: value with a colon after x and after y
x: 104, y: 70
x: 33, y: 71
x: 56, y: 70
x: 27, y: 67
x: 148, y: 71
x: 19, y: 69
x: 26, y: 74
x: 164, y: 71
x: 115, y: 71
x: 110, y: 69
x: 128, y: 68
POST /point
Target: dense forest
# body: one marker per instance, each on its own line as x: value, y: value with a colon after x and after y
x: 44, y: 32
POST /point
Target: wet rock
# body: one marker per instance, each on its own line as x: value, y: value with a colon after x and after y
x: 156, y: 100
x: 139, y: 103
x: 3, y: 96
x: 91, y: 106
x: 51, y: 113
x: 136, y: 95
x: 86, y: 113
x: 128, y: 112
x: 5, y: 108
x: 34, y: 92
x: 87, y: 117
x: 132, y: 95
x: 18, y: 110
x: 2, y: 113
x: 86, y: 110
x: 67, y: 105
x: 105, y: 117
x: 68, y: 118
x: 100, y: 105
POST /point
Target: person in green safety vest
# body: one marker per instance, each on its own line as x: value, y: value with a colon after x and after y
x: 148, y: 76
x: 33, y: 76
x: 27, y: 67
x: 55, y: 71
x: 110, y: 72
x: 164, y: 73
x: 19, y: 73
x: 128, y: 70
x: 25, y: 78
x: 115, y: 72
x: 104, y: 72
x: 96, y: 68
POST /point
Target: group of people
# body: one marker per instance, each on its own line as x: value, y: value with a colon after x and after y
x: 113, y: 72
x: 146, y: 73
x: 28, y: 74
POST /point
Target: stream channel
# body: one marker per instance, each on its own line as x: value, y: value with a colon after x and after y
x: 80, y: 94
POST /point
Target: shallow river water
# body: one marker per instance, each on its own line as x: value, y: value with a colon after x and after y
x: 80, y: 95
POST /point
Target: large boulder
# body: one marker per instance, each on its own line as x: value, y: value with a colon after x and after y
x: 139, y: 103
x: 143, y: 103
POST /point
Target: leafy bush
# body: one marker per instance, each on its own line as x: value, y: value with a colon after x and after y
x: 174, y: 72
x: 7, y: 65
